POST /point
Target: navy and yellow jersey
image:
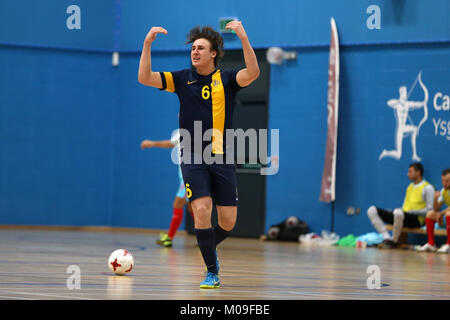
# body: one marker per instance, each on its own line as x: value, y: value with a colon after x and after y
x: 209, y: 99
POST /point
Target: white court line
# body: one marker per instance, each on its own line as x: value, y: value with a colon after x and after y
x: 264, y: 294
x: 323, y: 295
x: 144, y: 291
x: 226, y: 292
x: 46, y: 295
x: 6, y: 297
x: 280, y: 295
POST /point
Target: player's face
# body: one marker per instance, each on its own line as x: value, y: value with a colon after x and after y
x: 413, y: 174
x: 201, y: 54
x: 446, y: 181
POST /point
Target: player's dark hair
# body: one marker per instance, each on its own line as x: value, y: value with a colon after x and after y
x: 418, y: 167
x: 446, y: 172
x: 212, y: 36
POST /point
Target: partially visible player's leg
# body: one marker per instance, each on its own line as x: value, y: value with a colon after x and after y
x: 202, y: 208
x: 178, y: 209
x: 399, y: 218
x: 374, y: 216
x: 177, y: 217
x: 198, y: 189
x: 447, y: 221
x: 224, y: 190
x: 166, y: 239
x: 378, y: 217
x: 224, y: 187
x: 226, y: 221
x: 430, y: 220
x: 445, y: 248
x: 227, y: 216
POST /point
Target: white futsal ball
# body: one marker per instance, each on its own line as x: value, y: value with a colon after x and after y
x: 121, y: 261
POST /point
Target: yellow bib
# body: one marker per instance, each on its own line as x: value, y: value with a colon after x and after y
x: 446, y: 195
x: 413, y: 199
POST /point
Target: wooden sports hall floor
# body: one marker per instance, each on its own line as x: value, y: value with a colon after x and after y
x: 33, y: 265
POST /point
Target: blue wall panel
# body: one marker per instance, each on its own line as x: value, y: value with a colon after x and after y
x: 298, y: 108
x: 43, y: 23
x: 288, y: 22
x: 55, y: 137
x: 145, y: 180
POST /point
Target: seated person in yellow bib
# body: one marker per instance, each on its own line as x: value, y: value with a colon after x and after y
x: 436, y: 215
x: 418, y: 201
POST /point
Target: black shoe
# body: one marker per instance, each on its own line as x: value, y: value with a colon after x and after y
x: 387, y: 244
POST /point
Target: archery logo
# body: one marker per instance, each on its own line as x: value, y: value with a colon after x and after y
x: 405, y: 126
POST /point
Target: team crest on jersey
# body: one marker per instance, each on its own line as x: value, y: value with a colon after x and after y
x: 216, y: 83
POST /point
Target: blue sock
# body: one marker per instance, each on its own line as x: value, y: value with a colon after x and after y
x: 220, y: 234
x: 207, y: 244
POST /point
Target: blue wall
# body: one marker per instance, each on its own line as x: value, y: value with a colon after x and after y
x: 71, y: 124
x: 44, y: 23
x: 145, y: 180
x: 56, y: 137
x: 289, y: 22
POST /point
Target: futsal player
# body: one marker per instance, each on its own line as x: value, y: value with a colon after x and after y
x: 417, y: 202
x: 166, y: 239
x: 207, y: 94
x: 440, y: 198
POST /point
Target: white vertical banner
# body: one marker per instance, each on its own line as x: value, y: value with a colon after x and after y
x: 328, y: 187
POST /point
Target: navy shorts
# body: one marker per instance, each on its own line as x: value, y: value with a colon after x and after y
x: 217, y: 181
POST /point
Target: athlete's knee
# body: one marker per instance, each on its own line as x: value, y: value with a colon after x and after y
x: 202, y: 218
x: 179, y: 202
x: 430, y: 214
x: 399, y: 215
x: 227, y: 217
x: 202, y: 211
x: 227, y: 225
x: 372, y: 211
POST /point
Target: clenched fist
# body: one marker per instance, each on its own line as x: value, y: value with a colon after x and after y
x: 151, y: 36
x: 237, y: 27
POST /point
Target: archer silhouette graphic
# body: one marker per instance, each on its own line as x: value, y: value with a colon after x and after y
x: 401, y: 107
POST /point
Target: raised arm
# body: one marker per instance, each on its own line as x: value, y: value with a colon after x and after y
x: 146, y: 75
x: 166, y: 144
x: 251, y: 72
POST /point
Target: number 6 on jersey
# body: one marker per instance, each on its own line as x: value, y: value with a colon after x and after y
x: 205, y: 93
